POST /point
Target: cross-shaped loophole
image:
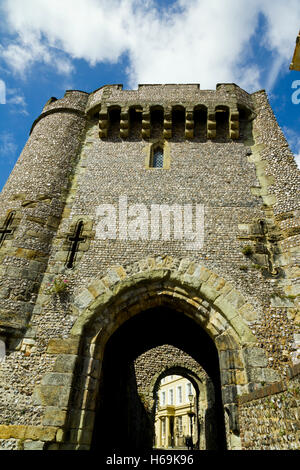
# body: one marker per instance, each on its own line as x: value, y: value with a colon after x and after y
x: 75, y: 240
x: 5, y: 230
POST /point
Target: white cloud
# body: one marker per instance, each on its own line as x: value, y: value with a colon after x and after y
x: 204, y: 44
x: 297, y: 158
x: 86, y: 29
x: 29, y: 49
x: 2, y: 92
x: 191, y: 41
x: 8, y: 146
x: 17, y: 57
x: 16, y: 100
x: 293, y: 139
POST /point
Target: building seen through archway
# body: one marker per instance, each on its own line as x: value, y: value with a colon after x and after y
x: 176, y: 414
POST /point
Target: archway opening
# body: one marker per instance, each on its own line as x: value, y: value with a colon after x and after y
x: 122, y: 421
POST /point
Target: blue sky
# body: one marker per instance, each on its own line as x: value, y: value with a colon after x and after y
x: 49, y: 46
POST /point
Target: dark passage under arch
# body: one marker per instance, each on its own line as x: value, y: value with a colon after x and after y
x: 122, y: 422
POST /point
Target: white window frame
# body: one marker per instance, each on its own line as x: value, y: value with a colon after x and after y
x: 189, y: 390
x: 179, y: 395
x: 171, y: 394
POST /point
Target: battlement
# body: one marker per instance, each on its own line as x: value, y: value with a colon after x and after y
x: 141, y: 111
x: 167, y: 94
x: 168, y: 98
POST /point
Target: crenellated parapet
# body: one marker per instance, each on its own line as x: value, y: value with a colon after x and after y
x: 179, y: 105
x: 73, y: 102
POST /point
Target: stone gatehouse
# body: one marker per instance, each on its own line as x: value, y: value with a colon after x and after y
x: 136, y: 219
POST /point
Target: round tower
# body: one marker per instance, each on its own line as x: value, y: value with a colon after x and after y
x: 31, y: 204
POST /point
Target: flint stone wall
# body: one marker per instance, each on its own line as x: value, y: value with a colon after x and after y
x: 269, y: 417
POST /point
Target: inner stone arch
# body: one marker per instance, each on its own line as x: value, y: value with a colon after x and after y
x: 165, y: 360
x: 156, y: 363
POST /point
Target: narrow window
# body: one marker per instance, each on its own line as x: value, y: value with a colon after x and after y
x: 135, y: 123
x: 188, y: 390
x: 158, y: 158
x: 171, y: 397
x: 200, y: 122
x: 178, y: 123
x: 179, y: 395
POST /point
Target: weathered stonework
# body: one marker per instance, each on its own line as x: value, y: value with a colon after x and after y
x: 269, y: 417
x: 223, y: 149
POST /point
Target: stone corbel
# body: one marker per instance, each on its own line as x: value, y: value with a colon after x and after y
x: 103, y: 122
x: 124, y: 123
x: 234, y: 124
x: 189, y: 123
x: 146, y: 123
x: 167, y: 132
x: 211, y: 124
